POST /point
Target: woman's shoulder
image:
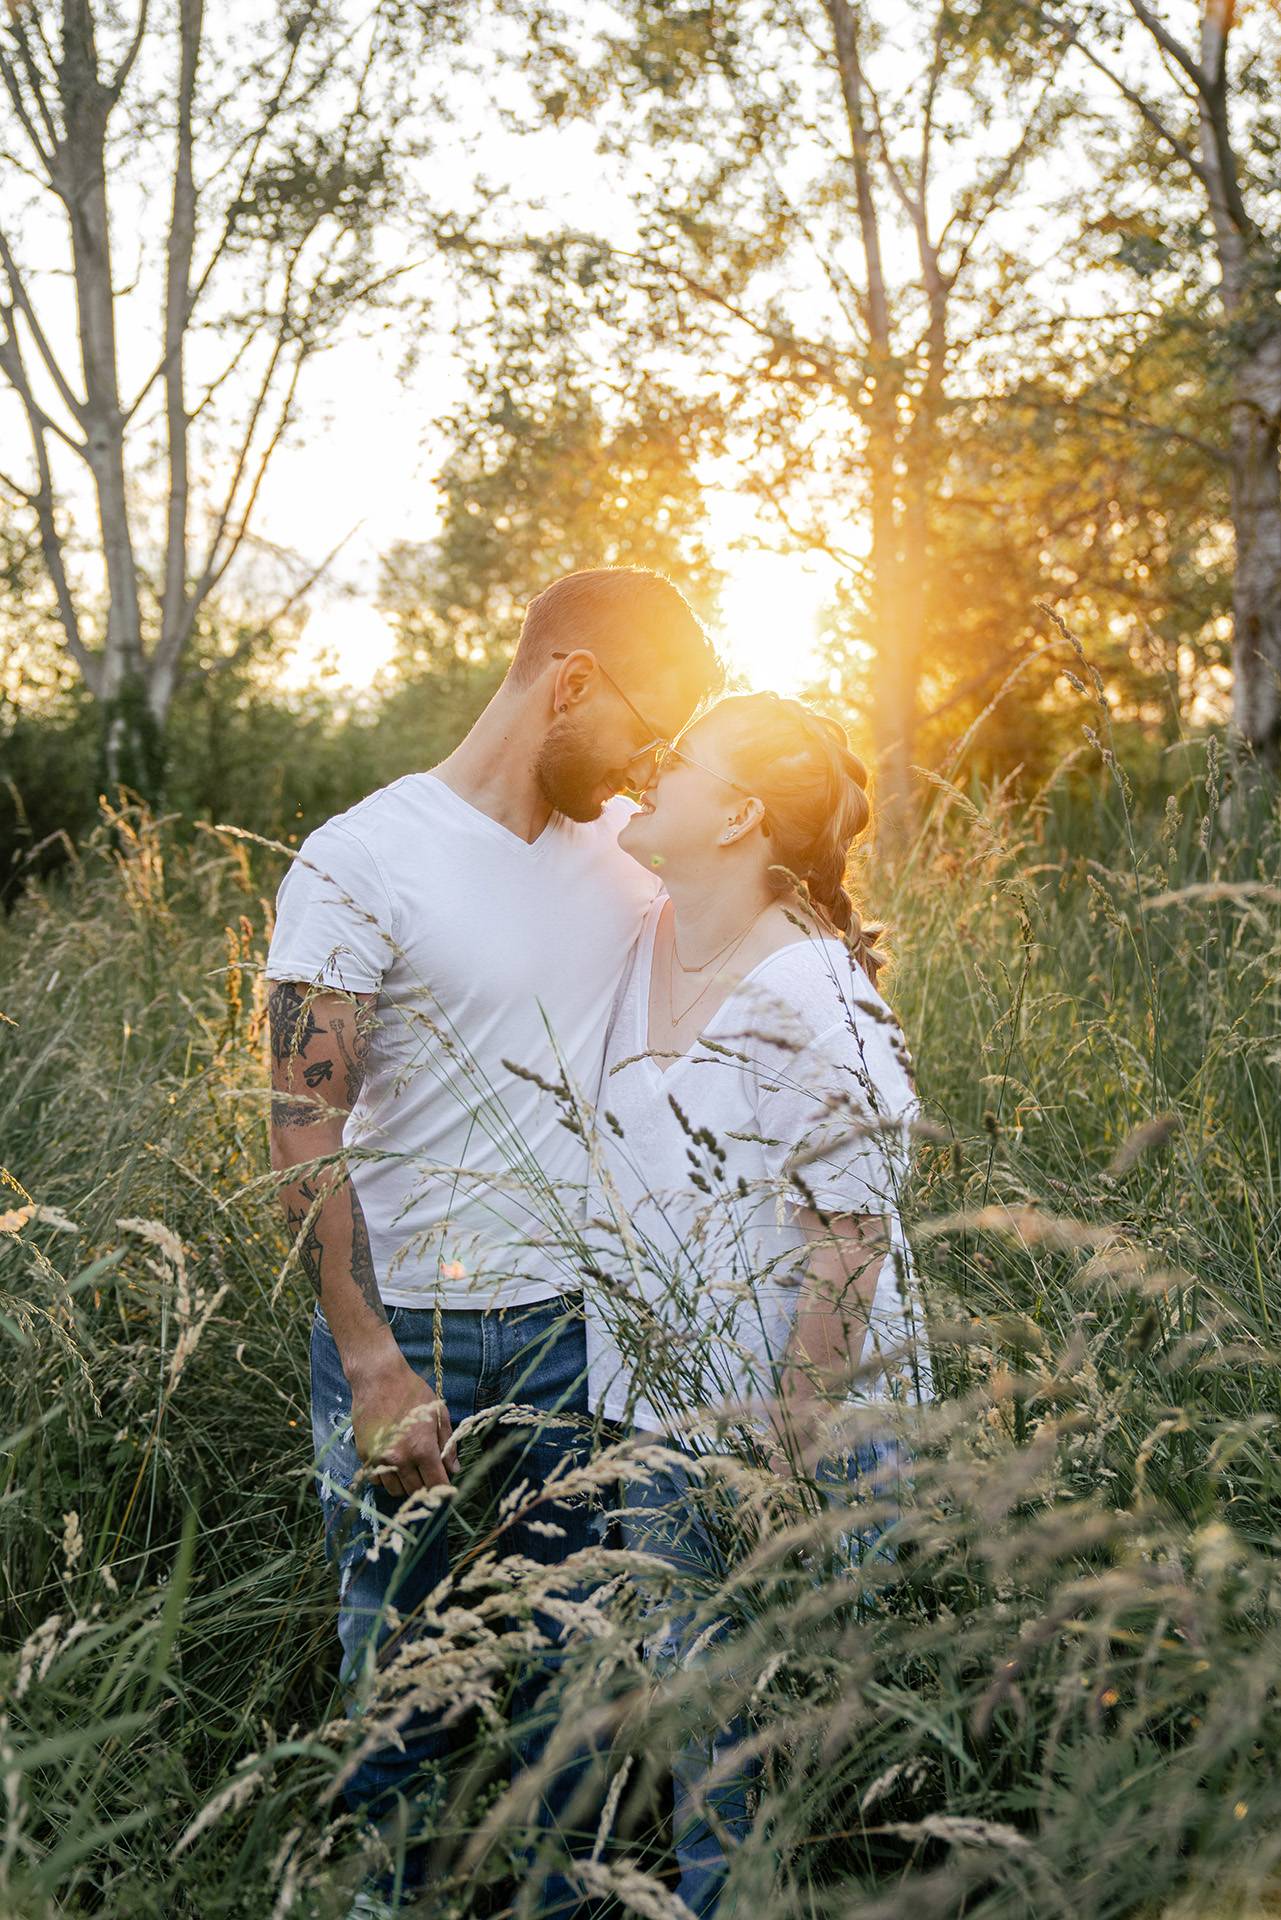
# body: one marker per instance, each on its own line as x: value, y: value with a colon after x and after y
x: 818, y: 977
x: 811, y: 996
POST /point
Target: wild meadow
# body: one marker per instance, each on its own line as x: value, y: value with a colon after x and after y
x: 1050, y: 1689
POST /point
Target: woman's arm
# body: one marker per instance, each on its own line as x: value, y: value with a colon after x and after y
x: 843, y: 1262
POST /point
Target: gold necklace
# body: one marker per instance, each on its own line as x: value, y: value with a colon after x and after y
x: 672, y: 1014
x: 703, y: 965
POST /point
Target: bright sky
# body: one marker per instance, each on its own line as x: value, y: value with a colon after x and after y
x: 362, y: 475
x: 359, y: 476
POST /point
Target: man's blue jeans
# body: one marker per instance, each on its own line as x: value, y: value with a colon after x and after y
x: 533, y: 1357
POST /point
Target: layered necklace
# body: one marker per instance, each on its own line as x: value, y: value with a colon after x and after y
x: 674, y: 960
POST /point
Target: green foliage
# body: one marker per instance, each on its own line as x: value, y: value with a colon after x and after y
x: 554, y: 478
x: 236, y: 747
x: 137, y: 749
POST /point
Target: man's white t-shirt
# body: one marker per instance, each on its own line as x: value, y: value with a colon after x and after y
x: 801, y: 1076
x: 491, y: 957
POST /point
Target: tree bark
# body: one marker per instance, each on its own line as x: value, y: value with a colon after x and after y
x: 175, y: 601
x: 1254, y: 438
x: 1255, y: 442
x: 79, y: 172
x: 894, y: 718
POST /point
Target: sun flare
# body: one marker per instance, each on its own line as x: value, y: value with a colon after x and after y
x: 769, y: 626
x: 348, y: 639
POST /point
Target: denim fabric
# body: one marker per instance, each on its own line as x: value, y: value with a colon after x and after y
x: 666, y: 1517
x: 533, y: 1356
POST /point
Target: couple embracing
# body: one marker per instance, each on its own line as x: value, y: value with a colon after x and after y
x: 447, y: 954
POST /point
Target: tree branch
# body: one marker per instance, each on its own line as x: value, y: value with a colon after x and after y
x: 21, y: 301
x: 179, y: 248
x: 35, y: 80
x: 11, y: 362
x: 1216, y: 24
x: 116, y: 84
x: 1169, y: 44
x: 1114, y: 417
x: 1071, y: 37
x: 245, y: 645
x: 990, y: 191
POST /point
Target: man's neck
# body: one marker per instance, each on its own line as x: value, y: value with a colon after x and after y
x: 493, y: 769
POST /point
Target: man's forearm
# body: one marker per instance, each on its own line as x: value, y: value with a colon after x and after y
x: 318, y: 1043
x: 318, y: 1046
x: 327, y: 1222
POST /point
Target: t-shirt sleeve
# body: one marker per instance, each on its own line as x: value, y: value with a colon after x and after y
x: 836, y: 1116
x: 335, y: 924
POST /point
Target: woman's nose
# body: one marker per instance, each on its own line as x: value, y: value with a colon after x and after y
x: 645, y: 769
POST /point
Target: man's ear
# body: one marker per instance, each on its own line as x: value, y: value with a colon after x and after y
x: 742, y: 821
x: 574, y: 676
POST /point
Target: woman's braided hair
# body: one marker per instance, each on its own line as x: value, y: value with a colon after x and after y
x: 813, y: 787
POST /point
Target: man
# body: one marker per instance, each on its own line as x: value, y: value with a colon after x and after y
x: 440, y: 950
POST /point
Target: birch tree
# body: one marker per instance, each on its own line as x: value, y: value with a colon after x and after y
x: 190, y: 205
x: 1207, y: 96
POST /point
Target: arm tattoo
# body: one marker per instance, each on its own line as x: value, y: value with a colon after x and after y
x: 293, y: 1027
x: 292, y: 1023
x: 354, y: 1052
x: 362, y: 1259
x: 304, y: 1224
x: 306, y: 1239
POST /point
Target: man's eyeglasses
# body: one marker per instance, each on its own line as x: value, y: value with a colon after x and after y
x: 656, y: 744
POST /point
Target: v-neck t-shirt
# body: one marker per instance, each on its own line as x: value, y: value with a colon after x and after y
x: 493, y: 959
x: 797, y: 1093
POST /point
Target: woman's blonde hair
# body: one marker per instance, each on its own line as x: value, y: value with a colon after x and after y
x: 813, y: 787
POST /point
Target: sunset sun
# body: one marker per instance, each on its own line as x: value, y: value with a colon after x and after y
x: 769, y: 621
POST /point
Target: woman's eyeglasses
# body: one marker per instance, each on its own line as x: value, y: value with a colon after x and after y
x: 670, y: 751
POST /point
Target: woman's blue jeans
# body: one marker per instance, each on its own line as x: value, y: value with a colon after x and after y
x: 667, y: 1516
x: 531, y: 1356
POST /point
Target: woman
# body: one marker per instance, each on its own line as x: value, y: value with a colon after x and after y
x: 755, y: 1137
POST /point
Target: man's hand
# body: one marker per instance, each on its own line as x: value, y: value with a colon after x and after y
x: 401, y: 1429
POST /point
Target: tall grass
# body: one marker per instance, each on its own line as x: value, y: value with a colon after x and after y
x: 1057, y: 1694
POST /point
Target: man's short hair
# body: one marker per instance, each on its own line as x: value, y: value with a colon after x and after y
x: 630, y: 618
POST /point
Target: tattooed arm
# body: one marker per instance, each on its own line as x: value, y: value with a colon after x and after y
x: 319, y: 1040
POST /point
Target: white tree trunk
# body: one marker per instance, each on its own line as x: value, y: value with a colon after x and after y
x: 1255, y: 429
x: 1256, y: 518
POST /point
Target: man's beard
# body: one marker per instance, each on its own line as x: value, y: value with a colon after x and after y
x: 569, y: 773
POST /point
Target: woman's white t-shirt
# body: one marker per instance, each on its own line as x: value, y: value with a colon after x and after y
x: 797, y: 1094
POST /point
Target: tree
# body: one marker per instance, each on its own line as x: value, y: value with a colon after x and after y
x: 212, y: 185
x: 819, y: 258
x: 544, y: 481
x: 533, y: 488
x: 1205, y: 98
